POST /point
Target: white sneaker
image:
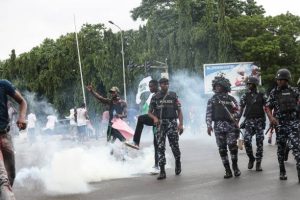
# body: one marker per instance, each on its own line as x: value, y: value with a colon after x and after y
x: 132, y: 145
x: 154, y: 171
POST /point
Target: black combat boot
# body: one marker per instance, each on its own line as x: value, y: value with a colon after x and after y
x: 162, y: 174
x: 258, y: 166
x: 251, y: 162
x: 177, y: 167
x: 235, y: 168
x: 228, y: 173
x: 282, y: 174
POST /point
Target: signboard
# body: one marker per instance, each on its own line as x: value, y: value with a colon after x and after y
x: 235, y: 72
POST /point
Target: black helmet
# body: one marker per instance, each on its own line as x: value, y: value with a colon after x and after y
x: 283, y: 74
x: 224, y: 82
x: 252, y: 79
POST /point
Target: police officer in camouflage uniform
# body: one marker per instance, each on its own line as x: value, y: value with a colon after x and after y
x: 284, y: 100
x: 255, y: 120
x: 164, y: 110
x: 222, y: 109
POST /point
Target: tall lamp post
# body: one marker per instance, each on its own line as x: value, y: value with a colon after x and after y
x: 123, y: 62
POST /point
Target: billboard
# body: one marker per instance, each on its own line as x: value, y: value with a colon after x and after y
x: 235, y: 72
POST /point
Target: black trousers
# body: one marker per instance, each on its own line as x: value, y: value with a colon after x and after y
x: 113, y: 134
x: 142, y: 120
x: 145, y: 120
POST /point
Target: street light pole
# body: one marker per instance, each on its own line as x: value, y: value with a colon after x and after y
x: 123, y: 61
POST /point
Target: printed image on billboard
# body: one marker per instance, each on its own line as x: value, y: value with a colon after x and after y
x: 237, y: 74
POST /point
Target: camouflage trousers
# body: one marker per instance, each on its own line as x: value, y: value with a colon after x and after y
x: 7, y: 167
x: 226, y: 135
x: 168, y: 128
x: 255, y: 127
x: 288, y: 130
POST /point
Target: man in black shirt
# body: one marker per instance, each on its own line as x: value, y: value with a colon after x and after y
x: 146, y: 120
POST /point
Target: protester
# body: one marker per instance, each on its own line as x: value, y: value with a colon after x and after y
x: 117, y: 112
x: 73, y: 122
x: 82, y: 118
x: 50, y: 125
x: 7, y: 157
x: 146, y: 120
x: 31, y: 119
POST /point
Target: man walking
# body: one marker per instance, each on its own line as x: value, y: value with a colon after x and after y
x: 255, y: 121
x: 284, y: 101
x: 222, y: 109
x: 164, y: 110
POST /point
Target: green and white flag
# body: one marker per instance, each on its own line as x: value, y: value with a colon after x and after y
x: 143, y: 87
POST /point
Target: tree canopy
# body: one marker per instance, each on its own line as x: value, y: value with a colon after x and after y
x: 187, y: 33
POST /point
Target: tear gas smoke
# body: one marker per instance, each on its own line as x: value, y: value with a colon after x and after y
x: 189, y: 89
x: 65, y: 167
x: 68, y: 169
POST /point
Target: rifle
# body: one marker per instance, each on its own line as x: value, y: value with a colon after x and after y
x: 231, y: 117
x: 270, y: 127
x: 229, y: 113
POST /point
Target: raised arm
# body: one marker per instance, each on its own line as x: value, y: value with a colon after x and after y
x: 97, y: 95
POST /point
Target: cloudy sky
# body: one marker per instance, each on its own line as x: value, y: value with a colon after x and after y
x: 26, y: 23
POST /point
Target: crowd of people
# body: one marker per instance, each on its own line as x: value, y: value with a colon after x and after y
x: 225, y: 117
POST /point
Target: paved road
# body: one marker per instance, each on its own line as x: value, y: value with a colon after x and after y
x: 201, y: 178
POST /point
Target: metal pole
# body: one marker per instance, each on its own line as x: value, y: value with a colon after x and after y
x: 123, y: 60
x: 79, y: 60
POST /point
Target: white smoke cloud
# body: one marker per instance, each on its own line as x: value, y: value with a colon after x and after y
x: 58, y: 166
x: 66, y: 168
x: 189, y: 89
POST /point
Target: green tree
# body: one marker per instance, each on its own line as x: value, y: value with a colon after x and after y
x: 223, y: 33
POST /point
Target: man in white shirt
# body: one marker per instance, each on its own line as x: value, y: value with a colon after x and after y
x: 82, y: 118
x: 31, y: 119
x: 50, y: 125
x: 73, y: 122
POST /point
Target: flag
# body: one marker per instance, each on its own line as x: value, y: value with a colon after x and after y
x: 123, y: 128
x: 143, y: 87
